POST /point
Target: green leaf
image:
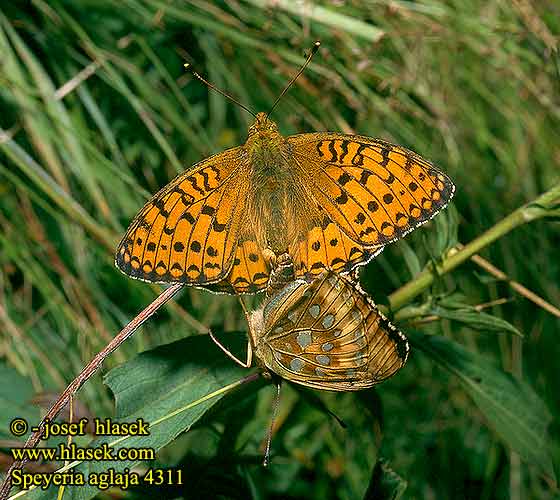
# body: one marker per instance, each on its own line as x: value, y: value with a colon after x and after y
x: 356, y: 444
x: 171, y: 387
x: 335, y: 20
x: 385, y: 483
x: 15, y: 393
x: 511, y: 407
x: 446, y: 229
x: 476, y: 319
x: 410, y: 257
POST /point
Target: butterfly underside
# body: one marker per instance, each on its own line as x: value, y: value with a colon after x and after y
x: 331, y: 201
x: 326, y: 334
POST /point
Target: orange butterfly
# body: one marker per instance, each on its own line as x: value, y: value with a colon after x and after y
x: 329, y: 200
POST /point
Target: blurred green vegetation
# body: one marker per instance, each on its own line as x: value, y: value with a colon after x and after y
x: 97, y: 113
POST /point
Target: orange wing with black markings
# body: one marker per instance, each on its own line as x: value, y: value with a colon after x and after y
x: 249, y: 272
x: 188, y: 231
x: 329, y: 248
x: 373, y: 191
x: 331, y: 201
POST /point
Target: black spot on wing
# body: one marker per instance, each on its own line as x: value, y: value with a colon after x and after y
x: 344, y: 147
x: 332, y: 151
x: 188, y: 217
x: 208, y: 210
x: 216, y: 226
x: 160, y: 205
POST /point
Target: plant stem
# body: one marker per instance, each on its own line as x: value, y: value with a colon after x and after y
x: 546, y: 205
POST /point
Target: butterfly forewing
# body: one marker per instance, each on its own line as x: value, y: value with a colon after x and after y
x: 328, y: 335
x: 374, y: 191
x: 188, y: 231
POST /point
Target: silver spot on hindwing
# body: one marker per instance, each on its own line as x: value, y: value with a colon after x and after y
x: 323, y: 359
x: 360, y: 338
x: 315, y: 310
x: 304, y: 338
x: 359, y: 356
x: 292, y: 316
x: 296, y: 364
x: 328, y: 321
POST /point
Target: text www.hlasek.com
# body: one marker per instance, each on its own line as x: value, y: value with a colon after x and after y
x: 64, y: 452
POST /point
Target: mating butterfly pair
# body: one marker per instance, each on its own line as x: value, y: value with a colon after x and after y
x: 222, y: 226
x: 330, y: 202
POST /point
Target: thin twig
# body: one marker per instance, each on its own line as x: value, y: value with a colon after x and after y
x: 543, y: 206
x: 518, y: 287
x: 492, y: 303
x: 75, y: 81
x: 84, y: 375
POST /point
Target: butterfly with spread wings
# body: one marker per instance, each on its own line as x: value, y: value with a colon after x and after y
x: 331, y: 201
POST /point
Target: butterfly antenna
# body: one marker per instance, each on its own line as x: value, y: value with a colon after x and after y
x: 188, y: 67
x: 266, y: 460
x: 315, y: 48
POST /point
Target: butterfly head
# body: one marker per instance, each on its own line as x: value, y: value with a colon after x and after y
x: 263, y: 127
x: 264, y: 144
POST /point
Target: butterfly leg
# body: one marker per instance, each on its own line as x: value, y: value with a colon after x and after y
x: 249, y: 360
x: 266, y: 460
x: 247, y: 364
x: 249, y: 353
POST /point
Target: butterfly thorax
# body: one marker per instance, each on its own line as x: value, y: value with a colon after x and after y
x: 276, y: 199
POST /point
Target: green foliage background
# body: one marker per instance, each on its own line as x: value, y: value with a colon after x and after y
x: 97, y: 113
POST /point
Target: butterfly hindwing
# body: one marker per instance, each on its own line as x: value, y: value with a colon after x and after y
x: 188, y: 231
x: 329, y: 248
x: 249, y: 272
x: 329, y: 335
